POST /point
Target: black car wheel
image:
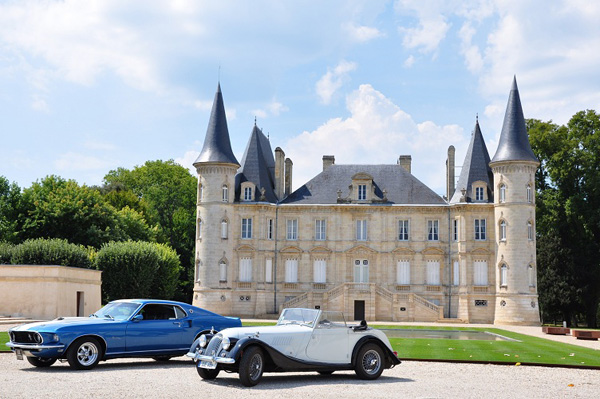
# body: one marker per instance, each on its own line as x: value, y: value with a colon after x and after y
x: 84, y: 354
x: 251, y: 366
x: 165, y: 358
x: 208, y: 374
x: 369, y: 362
x: 41, y: 361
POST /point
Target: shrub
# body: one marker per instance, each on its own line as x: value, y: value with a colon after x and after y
x: 137, y: 269
x: 54, y: 251
x: 5, y: 253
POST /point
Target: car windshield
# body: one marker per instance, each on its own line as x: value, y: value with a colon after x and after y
x: 117, y: 310
x: 305, y: 317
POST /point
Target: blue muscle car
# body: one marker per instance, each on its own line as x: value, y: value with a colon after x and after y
x: 125, y: 328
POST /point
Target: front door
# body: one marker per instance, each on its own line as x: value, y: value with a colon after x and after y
x: 359, y: 310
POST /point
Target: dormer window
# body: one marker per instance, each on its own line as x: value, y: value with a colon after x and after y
x: 479, y: 193
x: 362, y: 192
x: 362, y: 188
x: 247, y: 193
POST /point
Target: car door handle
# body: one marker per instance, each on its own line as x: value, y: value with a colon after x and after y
x: 177, y: 323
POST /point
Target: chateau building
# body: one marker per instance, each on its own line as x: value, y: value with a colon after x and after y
x: 370, y: 240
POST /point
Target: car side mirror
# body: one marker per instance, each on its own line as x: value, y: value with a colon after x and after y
x: 138, y: 317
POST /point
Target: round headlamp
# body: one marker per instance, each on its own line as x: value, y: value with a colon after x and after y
x: 202, y: 341
x: 225, y: 343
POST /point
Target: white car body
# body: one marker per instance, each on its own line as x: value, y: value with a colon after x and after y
x: 302, y: 340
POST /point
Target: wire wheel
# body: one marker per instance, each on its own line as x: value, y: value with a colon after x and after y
x: 369, y: 365
x: 251, y: 366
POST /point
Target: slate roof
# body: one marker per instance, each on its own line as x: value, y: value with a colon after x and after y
x: 475, y: 168
x: 401, y: 187
x: 217, y: 146
x: 514, y: 141
x: 258, y: 167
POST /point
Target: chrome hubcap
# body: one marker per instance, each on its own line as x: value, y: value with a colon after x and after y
x: 87, y: 354
x: 371, y: 362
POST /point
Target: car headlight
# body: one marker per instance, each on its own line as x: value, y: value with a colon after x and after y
x: 55, y: 338
x: 226, y: 343
x: 202, y: 341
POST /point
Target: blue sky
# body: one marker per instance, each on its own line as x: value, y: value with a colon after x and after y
x: 90, y: 86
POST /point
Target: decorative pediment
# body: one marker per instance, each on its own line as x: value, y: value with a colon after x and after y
x: 432, y: 251
x: 292, y: 249
x: 362, y: 176
x: 320, y: 249
x: 403, y: 251
x: 245, y: 248
x: 361, y: 249
x: 480, y: 251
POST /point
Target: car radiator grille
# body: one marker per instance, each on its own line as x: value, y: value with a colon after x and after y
x: 214, y: 345
x: 25, y: 337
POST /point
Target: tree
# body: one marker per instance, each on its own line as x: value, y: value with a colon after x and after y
x: 568, y: 208
x: 10, y: 198
x: 169, y: 191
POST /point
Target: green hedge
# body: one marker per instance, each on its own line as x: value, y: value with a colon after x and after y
x: 5, y: 253
x: 52, y: 251
x: 137, y: 269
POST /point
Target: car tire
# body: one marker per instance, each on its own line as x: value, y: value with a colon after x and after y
x: 84, y: 354
x: 207, y: 374
x: 251, y: 366
x: 165, y: 358
x: 41, y: 361
x: 369, y: 362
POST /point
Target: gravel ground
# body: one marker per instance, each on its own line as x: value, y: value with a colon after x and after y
x: 144, y: 378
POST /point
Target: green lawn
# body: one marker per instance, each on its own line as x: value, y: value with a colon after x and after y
x: 526, y: 350
x: 3, y: 340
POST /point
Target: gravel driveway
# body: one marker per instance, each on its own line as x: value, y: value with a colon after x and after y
x: 141, y: 378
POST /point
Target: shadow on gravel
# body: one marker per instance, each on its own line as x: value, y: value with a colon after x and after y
x: 273, y: 381
x: 140, y: 364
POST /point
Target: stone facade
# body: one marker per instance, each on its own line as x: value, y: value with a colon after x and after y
x: 371, y: 241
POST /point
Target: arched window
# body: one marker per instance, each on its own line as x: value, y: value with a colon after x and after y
x: 503, y: 230
x: 222, y: 271
x: 530, y: 230
x: 529, y: 194
x: 224, y: 228
x: 503, y: 275
x: 502, y: 197
x: 200, y: 192
x: 199, y: 228
x: 225, y: 193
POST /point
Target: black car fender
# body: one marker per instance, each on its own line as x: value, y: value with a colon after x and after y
x: 391, y: 358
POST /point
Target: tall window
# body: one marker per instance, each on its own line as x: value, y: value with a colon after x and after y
x: 456, y: 273
x: 223, y: 228
x: 531, y: 274
x: 269, y: 229
x: 247, y: 193
x: 480, y: 229
x: 362, y: 192
x: 502, y: 193
x: 222, y: 271
x: 269, y: 270
x: 530, y: 230
x: 455, y: 229
x: 200, y: 192
x: 291, y: 271
x: 292, y: 229
x: 480, y: 272
x: 433, y: 227
x: 245, y: 269
x: 246, y: 228
x: 433, y: 272
x: 403, y: 272
x: 361, y: 271
x: 361, y: 230
x: 503, y: 230
x: 320, y: 229
x: 320, y: 271
x: 503, y: 275
x: 403, y: 230
x: 225, y: 193
x: 529, y: 194
x: 478, y: 193
x: 199, y: 228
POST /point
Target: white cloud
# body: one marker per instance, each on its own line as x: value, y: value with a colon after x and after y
x: 39, y: 103
x: 376, y: 132
x: 188, y: 159
x: 427, y: 36
x: 274, y: 108
x: 362, y: 34
x: 409, y: 62
x: 333, y: 80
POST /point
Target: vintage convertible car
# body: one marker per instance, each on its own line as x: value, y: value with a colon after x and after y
x: 124, y: 328
x: 302, y: 340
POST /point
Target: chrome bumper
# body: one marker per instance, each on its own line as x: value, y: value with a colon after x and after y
x: 211, y: 359
x: 29, y: 347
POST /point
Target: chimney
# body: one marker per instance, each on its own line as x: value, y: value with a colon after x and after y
x: 328, y: 160
x: 288, y: 176
x: 279, y: 168
x: 450, y: 188
x: 405, y: 161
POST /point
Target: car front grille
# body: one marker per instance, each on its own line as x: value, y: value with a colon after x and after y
x: 26, y: 337
x: 213, y: 346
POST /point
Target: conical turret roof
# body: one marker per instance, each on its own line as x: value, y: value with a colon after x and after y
x: 475, y: 168
x: 217, y: 145
x: 514, y: 141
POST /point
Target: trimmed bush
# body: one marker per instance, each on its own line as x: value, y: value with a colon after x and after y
x: 5, y: 253
x: 137, y: 269
x: 53, y: 251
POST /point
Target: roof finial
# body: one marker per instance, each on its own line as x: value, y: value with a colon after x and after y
x: 254, y: 120
x: 477, y: 117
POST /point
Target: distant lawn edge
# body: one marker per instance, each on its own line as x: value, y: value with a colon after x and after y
x: 564, y: 366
